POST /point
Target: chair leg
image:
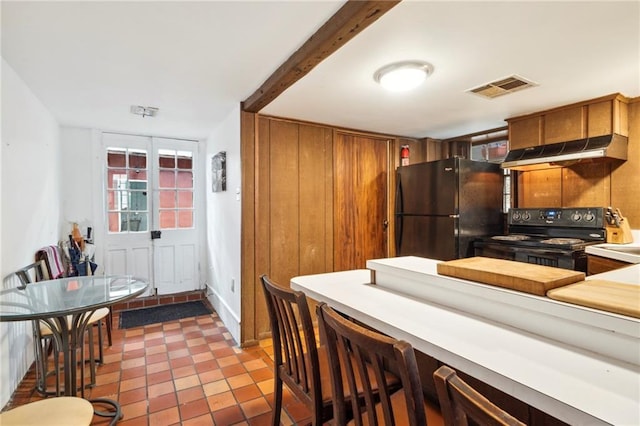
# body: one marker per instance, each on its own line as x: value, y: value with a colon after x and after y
x: 81, y: 367
x: 92, y: 356
x: 100, y: 349
x: 42, y: 346
x: 277, y: 400
x: 56, y: 365
x: 40, y: 358
x: 110, y: 326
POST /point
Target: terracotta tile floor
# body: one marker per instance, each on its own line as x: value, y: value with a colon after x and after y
x: 185, y: 372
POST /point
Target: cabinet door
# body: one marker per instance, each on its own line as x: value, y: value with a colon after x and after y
x: 565, y: 125
x: 598, y: 265
x: 600, y: 118
x: 525, y: 132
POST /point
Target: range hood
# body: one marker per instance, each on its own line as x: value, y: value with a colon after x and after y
x: 563, y: 154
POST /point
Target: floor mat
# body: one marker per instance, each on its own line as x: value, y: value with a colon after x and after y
x: 140, y: 317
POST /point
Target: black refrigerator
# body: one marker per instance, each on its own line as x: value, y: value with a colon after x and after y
x: 443, y: 206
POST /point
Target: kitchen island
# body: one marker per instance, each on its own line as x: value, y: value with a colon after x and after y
x: 577, y: 364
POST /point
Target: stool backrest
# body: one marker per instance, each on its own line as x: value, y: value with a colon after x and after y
x: 32, y: 273
x: 355, y: 354
x: 460, y: 403
x: 294, y: 343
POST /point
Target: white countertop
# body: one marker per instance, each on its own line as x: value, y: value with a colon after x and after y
x: 572, y: 384
x: 621, y: 252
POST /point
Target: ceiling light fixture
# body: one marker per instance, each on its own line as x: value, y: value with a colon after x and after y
x: 144, y: 111
x: 403, y: 76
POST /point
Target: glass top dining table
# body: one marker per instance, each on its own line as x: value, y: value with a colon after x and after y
x: 67, y: 296
x: 66, y: 306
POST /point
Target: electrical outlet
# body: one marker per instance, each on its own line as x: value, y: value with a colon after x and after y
x: 233, y: 285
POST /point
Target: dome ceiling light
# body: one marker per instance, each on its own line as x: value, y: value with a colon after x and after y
x: 403, y: 76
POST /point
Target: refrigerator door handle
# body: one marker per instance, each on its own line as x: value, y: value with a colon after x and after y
x: 399, y: 219
x: 399, y: 198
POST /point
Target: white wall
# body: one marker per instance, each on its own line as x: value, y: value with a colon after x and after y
x: 46, y: 181
x: 223, y: 225
x: 30, y: 217
x: 80, y: 177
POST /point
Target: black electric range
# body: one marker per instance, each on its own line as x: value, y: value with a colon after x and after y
x: 554, y: 236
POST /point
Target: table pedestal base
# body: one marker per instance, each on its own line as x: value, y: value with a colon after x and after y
x: 116, y: 413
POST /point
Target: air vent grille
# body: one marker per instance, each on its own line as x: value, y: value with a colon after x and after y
x: 502, y: 87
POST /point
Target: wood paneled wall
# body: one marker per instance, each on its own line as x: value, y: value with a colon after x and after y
x: 590, y: 184
x: 293, y: 210
x: 290, y: 207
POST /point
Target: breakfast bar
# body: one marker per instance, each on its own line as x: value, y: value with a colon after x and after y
x: 575, y: 363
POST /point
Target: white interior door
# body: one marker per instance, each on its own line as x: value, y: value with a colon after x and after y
x: 175, y: 247
x: 150, y: 215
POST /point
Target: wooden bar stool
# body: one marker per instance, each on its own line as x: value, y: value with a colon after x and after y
x: 354, y: 350
x: 460, y: 403
x: 59, y: 411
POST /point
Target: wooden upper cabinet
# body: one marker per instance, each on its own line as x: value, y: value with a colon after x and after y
x: 525, y: 132
x: 608, y: 116
x: 597, y: 117
x: 564, y: 125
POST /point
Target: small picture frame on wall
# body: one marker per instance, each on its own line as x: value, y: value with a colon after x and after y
x: 219, y: 172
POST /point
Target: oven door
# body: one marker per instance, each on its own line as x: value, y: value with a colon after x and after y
x: 575, y: 260
x: 494, y: 250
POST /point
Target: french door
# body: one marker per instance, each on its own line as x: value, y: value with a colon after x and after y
x: 150, y: 190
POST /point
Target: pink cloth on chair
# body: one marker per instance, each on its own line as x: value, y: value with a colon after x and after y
x: 54, y: 260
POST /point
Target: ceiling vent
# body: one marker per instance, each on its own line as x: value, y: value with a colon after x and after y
x: 144, y: 111
x: 502, y: 87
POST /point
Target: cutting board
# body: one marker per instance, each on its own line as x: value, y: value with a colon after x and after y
x: 526, y: 277
x: 609, y: 296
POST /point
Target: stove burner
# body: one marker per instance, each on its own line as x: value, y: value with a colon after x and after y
x: 562, y: 241
x: 514, y: 237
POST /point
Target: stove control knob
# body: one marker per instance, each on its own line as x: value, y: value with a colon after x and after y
x: 526, y: 216
x: 589, y: 217
x: 576, y: 217
x: 515, y: 216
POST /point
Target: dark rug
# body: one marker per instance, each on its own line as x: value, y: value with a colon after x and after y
x: 140, y: 317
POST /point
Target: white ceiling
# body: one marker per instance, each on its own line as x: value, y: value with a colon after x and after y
x: 89, y: 62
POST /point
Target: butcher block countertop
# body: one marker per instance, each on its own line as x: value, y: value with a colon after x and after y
x: 610, y: 296
x: 534, y: 279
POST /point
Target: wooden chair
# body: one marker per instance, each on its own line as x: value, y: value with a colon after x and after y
x: 43, y: 255
x: 64, y: 410
x: 369, y: 350
x: 297, y: 361
x: 460, y: 403
x: 43, y: 337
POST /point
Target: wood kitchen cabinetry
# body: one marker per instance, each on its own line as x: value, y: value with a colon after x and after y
x: 587, y: 183
x: 596, y: 117
x: 525, y: 132
x: 599, y: 264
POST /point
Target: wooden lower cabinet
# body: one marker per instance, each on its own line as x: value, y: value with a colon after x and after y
x: 427, y: 365
x: 598, y: 264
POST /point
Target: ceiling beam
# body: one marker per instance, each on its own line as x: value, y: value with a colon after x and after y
x: 344, y: 25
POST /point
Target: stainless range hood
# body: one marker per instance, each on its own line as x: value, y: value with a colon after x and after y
x: 563, y: 154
